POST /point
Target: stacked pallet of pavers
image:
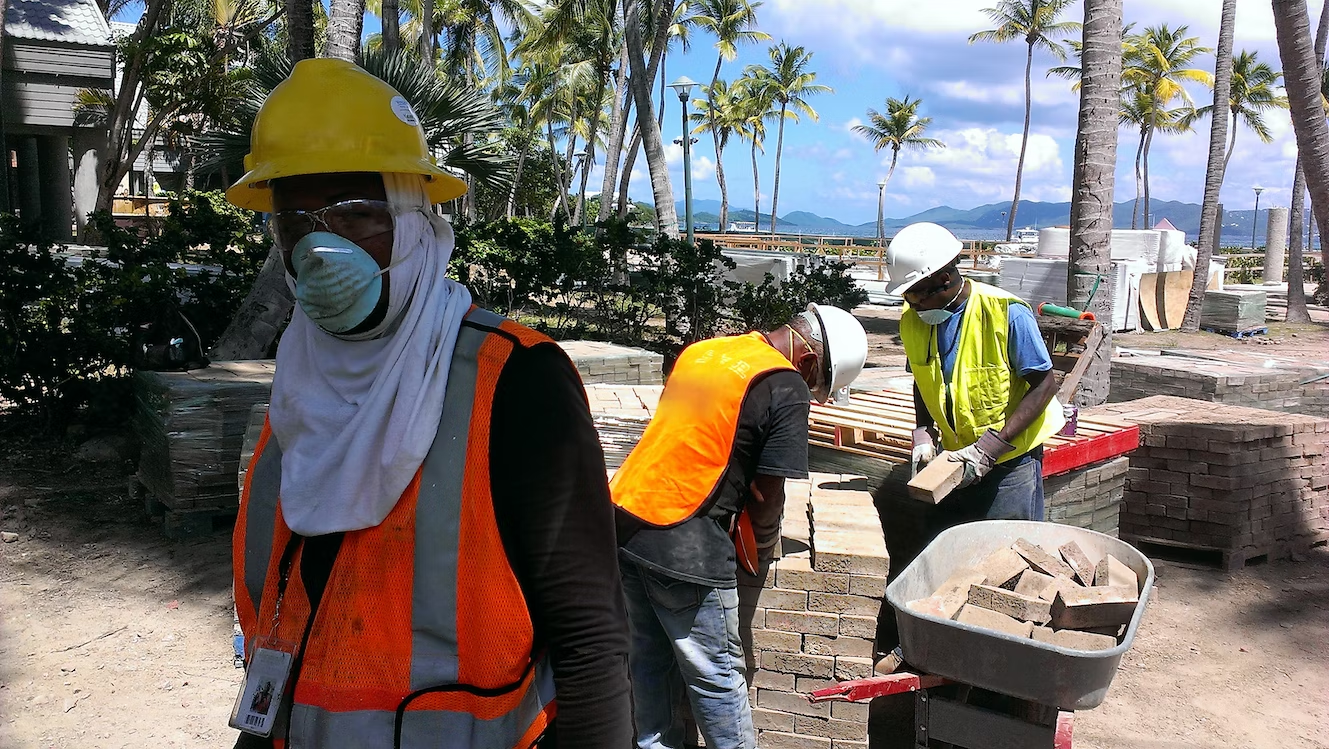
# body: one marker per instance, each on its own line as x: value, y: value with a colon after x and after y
x: 809, y: 618
x: 1241, y: 481
x: 600, y: 362
x: 1241, y: 381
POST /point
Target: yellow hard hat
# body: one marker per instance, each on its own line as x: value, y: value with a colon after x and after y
x: 332, y: 116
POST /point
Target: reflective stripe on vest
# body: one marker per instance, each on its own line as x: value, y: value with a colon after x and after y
x: 983, y: 390
x: 422, y: 636
x: 685, y: 450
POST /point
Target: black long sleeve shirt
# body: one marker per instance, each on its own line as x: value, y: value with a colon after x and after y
x: 551, y: 502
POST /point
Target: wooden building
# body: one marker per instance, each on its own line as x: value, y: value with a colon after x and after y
x: 52, y: 50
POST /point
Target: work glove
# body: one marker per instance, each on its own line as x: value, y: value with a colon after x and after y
x: 980, y: 457
x: 924, y: 449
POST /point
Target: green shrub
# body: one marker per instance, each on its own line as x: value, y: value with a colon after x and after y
x: 771, y: 304
x: 71, y: 333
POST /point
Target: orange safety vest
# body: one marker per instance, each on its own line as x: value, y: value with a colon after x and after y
x: 686, y: 448
x: 422, y: 636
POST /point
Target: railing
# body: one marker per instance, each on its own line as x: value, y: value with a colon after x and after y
x: 1308, y: 260
x: 858, y: 251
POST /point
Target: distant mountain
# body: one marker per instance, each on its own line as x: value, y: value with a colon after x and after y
x: 990, y: 220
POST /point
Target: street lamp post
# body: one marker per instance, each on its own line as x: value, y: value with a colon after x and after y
x: 683, y: 87
x: 1255, y: 222
x: 881, y: 221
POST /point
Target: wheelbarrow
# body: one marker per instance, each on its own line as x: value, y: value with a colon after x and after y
x: 1051, y: 681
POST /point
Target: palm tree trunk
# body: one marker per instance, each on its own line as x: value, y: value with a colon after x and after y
x: 1217, y: 167
x: 625, y: 178
x: 779, y: 151
x: 299, y: 30
x: 1139, y: 179
x: 558, y: 172
x: 425, y: 44
x: 659, y: 119
x: 4, y: 168
x: 391, y: 22
x: 1296, y: 278
x: 1232, y: 135
x: 756, y: 188
x: 715, y: 140
x: 1301, y: 79
x: 618, y: 126
x: 1024, y: 139
x: 1094, y: 181
x: 666, y: 216
x: 1148, y: 144
x: 516, y: 179
x: 345, y: 21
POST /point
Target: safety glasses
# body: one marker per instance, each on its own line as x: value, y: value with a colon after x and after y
x: 356, y: 220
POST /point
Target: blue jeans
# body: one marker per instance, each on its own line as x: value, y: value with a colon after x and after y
x: 685, y: 640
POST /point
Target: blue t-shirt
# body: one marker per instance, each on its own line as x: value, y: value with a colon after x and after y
x: 1024, y: 342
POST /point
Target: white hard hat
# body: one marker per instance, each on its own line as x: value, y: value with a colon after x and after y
x: 916, y: 252
x: 844, y: 345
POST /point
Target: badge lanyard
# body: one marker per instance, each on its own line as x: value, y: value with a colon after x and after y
x: 269, y: 672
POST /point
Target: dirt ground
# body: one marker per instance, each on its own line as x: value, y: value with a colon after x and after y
x: 112, y: 636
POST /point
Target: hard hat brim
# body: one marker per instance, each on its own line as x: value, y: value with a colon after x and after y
x: 254, y: 190
x: 903, y: 286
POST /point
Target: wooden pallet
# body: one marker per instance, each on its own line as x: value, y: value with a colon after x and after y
x: 178, y: 525
x: 880, y: 425
x: 1224, y: 559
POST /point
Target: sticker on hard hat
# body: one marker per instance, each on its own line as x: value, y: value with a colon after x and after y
x: 402, y: 109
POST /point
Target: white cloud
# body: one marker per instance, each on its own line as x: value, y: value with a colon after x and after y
x: 990, y: 151
x: 898, y: 15
x: 918, y: 176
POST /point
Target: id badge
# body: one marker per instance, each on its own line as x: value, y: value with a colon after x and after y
x: 256, y: 707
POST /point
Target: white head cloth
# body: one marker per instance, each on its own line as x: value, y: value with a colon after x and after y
x: 355, y: 418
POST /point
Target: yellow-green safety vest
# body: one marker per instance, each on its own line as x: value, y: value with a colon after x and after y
x: 983, y: 391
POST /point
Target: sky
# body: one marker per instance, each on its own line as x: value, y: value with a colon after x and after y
x: 867, y: 50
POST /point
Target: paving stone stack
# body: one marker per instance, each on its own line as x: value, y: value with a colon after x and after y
x: 1233, y: 311
x: 621, y: 414
x: 1242, y: 481
x: 598, y: 362
x: 809, y: 618
x: 1280, y: 388
x: 191, y: 426
x: 1089, y: 497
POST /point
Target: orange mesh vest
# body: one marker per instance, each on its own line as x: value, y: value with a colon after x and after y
x: 685, y: 449
x: 422, y: 636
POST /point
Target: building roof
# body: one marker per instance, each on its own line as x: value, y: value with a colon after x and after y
x: 72, y: 21
x: 1165, y: 225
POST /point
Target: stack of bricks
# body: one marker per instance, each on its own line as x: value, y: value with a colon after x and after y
x: 1088, y: 497
x: 1243, y: 481
x: 809, y: 618
x: 1240, y: 380
x: 598, y: 362
x: 621, y: 414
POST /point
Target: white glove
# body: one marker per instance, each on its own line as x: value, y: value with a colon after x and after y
x: 924, y: 449
x: 980, y: 457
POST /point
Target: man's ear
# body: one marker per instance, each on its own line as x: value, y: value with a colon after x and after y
x: 808, y: 364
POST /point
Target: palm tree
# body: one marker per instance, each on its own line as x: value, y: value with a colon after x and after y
x: 1303, y: 77
x: 1094, y: 179
x: 1138, y: 110
x: 1156, y: 67
x: 791, y: 83
x: 1034, y: 21
x: 721, y: 113
x: 641, y: 78
x: 1254, y: 91
x: 899, y: 128
x: 1225, y: 74
x: 1298, y: 243
x: 757, y: 103
x: 731, y: 22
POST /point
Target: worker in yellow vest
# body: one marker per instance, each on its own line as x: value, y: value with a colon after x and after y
x: 732, y: 425
x: 983, y: 390
x: 983, y: 384
x: 425, y: 552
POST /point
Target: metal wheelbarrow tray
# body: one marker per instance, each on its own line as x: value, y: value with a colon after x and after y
x: 1024, y: 668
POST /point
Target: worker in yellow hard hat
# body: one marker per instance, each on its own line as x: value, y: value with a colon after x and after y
x: 425, y: 548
